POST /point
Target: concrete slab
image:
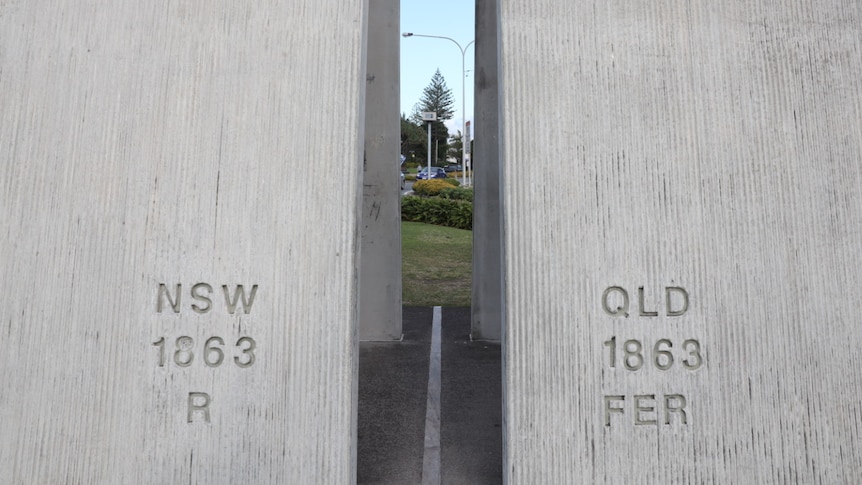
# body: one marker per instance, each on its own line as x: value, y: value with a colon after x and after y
x: 487, y: 290
x: 683, y: 224
x: 159, y: 165
x: 380, y: 261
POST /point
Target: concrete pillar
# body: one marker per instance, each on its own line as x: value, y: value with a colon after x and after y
x: 179, y: 266
x: 380, y: 273
x: 683, y: 224
x: 487, y: 305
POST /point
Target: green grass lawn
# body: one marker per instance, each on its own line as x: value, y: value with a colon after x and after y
x: 436, y: 265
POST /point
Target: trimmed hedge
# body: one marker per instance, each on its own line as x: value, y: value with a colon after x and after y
x: 441, y: 212
x: 434, y: 186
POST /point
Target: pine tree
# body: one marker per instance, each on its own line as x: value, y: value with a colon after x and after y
x: 436, y: 97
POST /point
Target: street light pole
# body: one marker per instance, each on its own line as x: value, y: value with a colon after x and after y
x: 463, y: 97
x: 428, y: 169
x: 428, y: 117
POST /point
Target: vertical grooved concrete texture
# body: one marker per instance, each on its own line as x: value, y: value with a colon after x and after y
x: 179, y: 143
x: 710, y: 146
x: 380, y: 270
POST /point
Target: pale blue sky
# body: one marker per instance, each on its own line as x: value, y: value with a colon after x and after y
x: 421, y: 56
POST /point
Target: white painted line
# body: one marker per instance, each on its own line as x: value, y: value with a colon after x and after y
x: 431, y: 457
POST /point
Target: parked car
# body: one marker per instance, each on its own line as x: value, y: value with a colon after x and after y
x: 453, y: 168
x: 436, y: 173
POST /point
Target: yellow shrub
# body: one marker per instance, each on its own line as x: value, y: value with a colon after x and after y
x: 430, y: 187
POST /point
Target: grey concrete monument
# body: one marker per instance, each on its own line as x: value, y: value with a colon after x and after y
x: 179, y: 288
x: 487, y: 288
x: 682, y: 237
x: 380, y: 272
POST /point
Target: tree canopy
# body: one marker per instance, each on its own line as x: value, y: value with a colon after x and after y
x: 456, y: 148
x: 414, y: 141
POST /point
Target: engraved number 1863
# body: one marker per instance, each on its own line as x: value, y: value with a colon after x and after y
x: 213, y: 353
x: 663, y: 357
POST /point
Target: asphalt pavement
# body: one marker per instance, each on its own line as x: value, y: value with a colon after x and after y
x: 397, y: 420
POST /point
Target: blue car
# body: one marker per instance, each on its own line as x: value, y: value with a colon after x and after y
x: 436, y: 173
